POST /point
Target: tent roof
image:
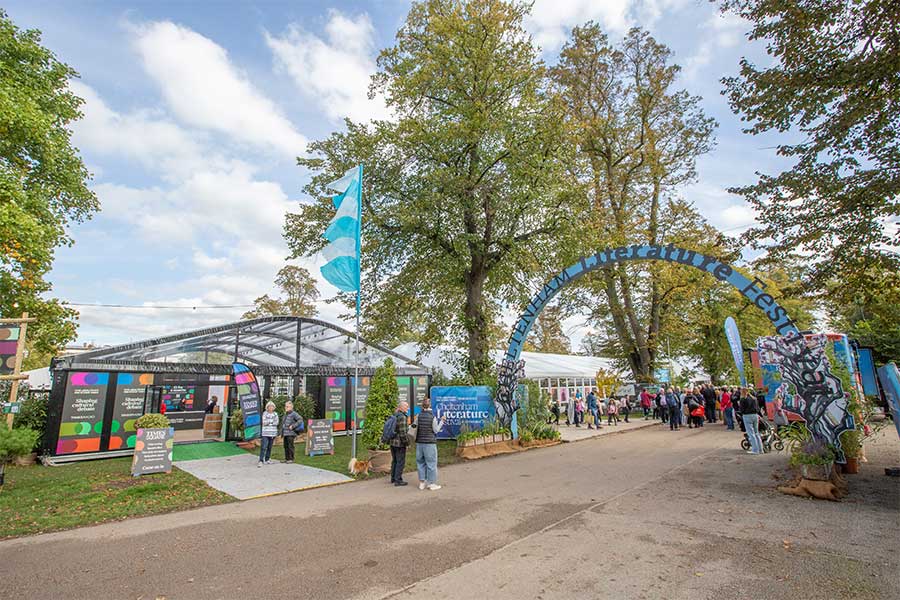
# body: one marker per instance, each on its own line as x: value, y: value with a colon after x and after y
x: 537, y: 364
x: 271, y: 345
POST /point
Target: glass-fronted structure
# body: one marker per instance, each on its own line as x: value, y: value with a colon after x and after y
x: 96, y: 396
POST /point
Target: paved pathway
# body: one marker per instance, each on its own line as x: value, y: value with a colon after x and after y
x: 652, y: 514
x: 239, y: 475
x: 570, y: 433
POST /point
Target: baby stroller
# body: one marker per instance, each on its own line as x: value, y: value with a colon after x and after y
x: 770, y: 438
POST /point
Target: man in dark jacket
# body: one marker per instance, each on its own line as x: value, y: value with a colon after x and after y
x: 709, y: 402
x: 399, y: 443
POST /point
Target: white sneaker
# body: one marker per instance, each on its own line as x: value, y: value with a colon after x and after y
x: 421, y: 485
x: 268, y: 462
x: 434, y: 487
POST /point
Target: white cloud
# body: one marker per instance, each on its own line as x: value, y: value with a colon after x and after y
x: 335, y: 71
x: 204, y: 89
x: 720, y: 31
x: 205, y: 262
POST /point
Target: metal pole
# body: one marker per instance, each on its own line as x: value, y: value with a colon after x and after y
x: 353, y: 420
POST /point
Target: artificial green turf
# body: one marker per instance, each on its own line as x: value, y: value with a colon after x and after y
x: 37, y: 499
x: 338, y: 461
x: 204, y: 450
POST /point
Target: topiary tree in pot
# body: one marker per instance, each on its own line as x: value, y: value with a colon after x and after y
x: 380, y: 405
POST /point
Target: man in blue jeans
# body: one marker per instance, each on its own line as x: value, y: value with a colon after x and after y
x: 593, y: 408
x: 750, y: 417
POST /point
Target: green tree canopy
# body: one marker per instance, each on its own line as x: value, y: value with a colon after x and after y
x: 462, y: 193
x: 298, y: 295
x: 43, y: 182
x: 834, y: 79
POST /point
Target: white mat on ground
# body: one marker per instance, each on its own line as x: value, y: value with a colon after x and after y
x: 240, y: 477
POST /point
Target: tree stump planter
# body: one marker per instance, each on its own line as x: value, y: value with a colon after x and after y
x: 817, y: 472
x: 26, y: 460
x: 380, y: 460
x: 852, y: 465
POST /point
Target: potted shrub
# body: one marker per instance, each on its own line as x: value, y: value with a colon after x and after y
x: 380, y: 405
x: 152, y: 421
x: 15, y: 443
x: 814, y: 458
x: 852, y: 443
x: 305, y: 405
x: 32, y: 415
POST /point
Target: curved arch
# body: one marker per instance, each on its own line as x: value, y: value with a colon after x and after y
x: 512, y: 369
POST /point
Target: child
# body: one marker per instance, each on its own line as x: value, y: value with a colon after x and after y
x: 612, y: 412
x: 268, y: 432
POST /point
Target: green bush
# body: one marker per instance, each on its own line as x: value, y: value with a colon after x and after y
x: 380, y: 404
x: 33, y: 415
x: 152, y: 421
x: 279, y: 403
x: 305, y: 405
x: 16, y: 442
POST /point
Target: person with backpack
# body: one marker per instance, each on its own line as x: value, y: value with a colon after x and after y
x: 291, y: 427
x: 426, y: 426
x: 396, y: 434
x: 673, y: 404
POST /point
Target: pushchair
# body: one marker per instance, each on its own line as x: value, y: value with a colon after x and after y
x: 769, y: 436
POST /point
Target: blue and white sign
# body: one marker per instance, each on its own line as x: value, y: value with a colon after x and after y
x: 472, y: 405
x: 737, y: 350
x: 662, y: 375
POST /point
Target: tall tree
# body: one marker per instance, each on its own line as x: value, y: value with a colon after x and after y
x: 461, y: 192
x: 43, y: 182
x: 547, y: 333
x: 834, y: 78
x: 870, y: 313
x: 637, y: 140
x: 298, y: 295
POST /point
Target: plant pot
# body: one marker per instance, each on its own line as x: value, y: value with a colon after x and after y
x: 380, y: 460
x: 817, y: 472
x: 852, y: 465
x: 25, y: 460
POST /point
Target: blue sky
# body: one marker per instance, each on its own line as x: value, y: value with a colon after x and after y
x: 195, y: 111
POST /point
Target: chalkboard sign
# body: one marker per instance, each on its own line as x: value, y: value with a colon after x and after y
x: 153, y: 451
x: 319, y: 437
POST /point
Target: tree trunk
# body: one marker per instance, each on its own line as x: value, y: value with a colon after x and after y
x: 478, y: 361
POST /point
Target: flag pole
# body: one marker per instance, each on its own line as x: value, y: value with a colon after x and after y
x: 354, y: 419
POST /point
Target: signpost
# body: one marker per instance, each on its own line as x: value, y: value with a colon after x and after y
x: 153, y: 451
x: 319, y: 437
x: 13, y: 337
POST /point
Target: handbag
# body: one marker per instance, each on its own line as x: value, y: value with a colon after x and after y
x: 589, y: 418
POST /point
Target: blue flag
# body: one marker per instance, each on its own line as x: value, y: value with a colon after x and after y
x: 737, y: 350
x: 342, y: 253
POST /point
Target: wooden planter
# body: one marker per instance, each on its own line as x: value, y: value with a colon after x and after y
x: 381, y: 460
x: 26, y: 460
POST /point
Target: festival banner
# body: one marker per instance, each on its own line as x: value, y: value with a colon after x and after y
x: 890, y: 383
x: 9, y: 343
x: 248, y: 399
x: 737, y: 349
x: 472, y: 405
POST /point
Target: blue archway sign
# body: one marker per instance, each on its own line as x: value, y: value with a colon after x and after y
x: 512, y: 369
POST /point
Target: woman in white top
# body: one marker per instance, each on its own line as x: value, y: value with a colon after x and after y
x: 268, y: 432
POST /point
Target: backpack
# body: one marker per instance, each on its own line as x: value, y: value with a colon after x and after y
x: 671, y: 401
x: 389, y: 431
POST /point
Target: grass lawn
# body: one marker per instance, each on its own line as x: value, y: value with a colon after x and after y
x: 338, y: 461
x: 38, y: 499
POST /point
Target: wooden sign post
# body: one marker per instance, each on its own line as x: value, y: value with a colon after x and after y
x: 16, y: 375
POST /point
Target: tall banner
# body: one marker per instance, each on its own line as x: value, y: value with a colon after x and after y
x: 9, y: 346
x: 737, y: 350
x: 890, y: 383
x: 248, y: 398
x: 469, y: 405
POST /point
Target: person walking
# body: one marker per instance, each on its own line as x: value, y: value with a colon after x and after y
x: 646, y: 403
x: 656, y: 409
x: 750, y: 416
x: 427, y: 426
x: 569, y: 404
x: 268, y: 431
x: 592, y: 408
x: 579, y: 409
x: 674, y: 404
x: 727, y: 409
x: 399, y: 443
x: 699, y: 412
x: 612, y: 412
x: 625, y: 407
x: 663, y: 406
x: 709, y: 402
x: 554, y: 412
x: 291, y: 427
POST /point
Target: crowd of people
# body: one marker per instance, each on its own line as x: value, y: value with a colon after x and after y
x: 677, y: 407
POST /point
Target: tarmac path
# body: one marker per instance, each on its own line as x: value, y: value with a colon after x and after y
x: 644, y: 514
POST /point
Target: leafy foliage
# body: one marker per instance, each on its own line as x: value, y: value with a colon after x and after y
x: 33, y: 415
x: 15, y: 442
x: 43, y: 182
x: 152, y: 421
x: 380, y: 404
x: 869, y: 313
x: 547, y: 334
x: 834, y: 80
x: 463, y: 191
x: 299, y: 292
x: 305, y: 405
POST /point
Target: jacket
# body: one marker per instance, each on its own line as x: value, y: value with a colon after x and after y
x: 290, y: 421
x: 427, y: 425
x: 401, y: 439
x: 269, y: 424
x: 592, y: 401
